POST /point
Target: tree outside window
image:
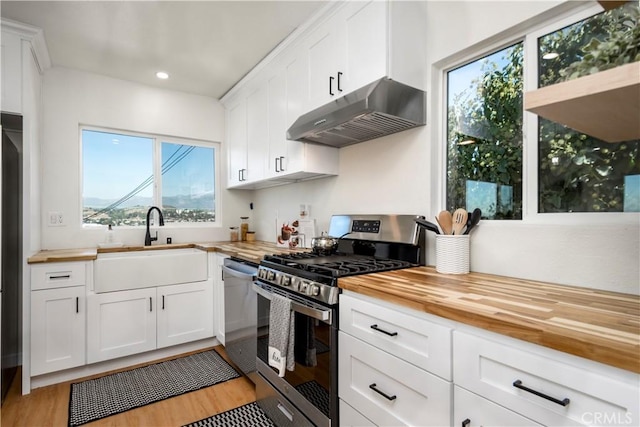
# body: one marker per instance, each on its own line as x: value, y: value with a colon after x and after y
x: 576, y: 172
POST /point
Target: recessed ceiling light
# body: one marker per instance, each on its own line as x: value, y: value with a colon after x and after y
x: 162, y: 75
x: 550, y: 55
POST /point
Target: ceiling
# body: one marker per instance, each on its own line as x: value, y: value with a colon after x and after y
x: 205, y: 46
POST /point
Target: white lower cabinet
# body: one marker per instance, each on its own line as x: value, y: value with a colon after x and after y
x: 129, y: 322
x: 185, y: 313
x: 58, y: 321
x: 121, y: 323
x: 389, y: 390
x: 549, y: 387
x: 349, y: 417
x: 471, y: 410
x: 215, y: 262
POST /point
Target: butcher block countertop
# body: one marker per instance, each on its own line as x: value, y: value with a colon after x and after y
x: 597, y: 325
x: 249, y: 251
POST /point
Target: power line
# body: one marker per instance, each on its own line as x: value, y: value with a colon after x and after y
x: 166, y: 167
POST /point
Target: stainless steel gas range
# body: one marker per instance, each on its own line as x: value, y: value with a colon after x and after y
x: 308, y: 394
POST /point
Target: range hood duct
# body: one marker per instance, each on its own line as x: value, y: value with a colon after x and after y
x: 378, y: 109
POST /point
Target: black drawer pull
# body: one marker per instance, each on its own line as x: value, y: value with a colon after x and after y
x: 391, y: 334
x: 163, y: 302
x: 150, y: 304
x: 466, y: 422
x: 66, y: 276
x: 77, y: 304
x: 382, y: 393
x: 563, y: 402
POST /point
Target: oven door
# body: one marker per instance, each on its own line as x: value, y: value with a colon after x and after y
x: 312, y: 387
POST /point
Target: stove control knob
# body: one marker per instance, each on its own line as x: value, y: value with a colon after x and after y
x: 295, y: 283
x: 271, y: 276
x: 313, y: 290
x: 285, y: 281
x: 262, y: 274
x: 303, y: 287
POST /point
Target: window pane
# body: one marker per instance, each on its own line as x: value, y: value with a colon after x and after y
x: 187, y: 183
x: 117, y: 178
x: 579, y: 173
x: 484, y: 135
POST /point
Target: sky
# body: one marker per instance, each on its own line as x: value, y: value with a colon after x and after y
x: 116, y: 164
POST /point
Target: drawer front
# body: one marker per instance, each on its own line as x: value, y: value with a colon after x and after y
x: 389, y: 390
x: 471, y: 410
x: 526, y: 382
x: 349, y: 417
x: 58, y: 275
x: 411, y: 338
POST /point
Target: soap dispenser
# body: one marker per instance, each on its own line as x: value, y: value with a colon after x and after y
x: 109, y: 235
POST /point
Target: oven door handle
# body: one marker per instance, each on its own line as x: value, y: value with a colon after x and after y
x: 323, y: 315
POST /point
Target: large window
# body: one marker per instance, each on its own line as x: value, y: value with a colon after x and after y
x: 485, y: 129
x: 484, y: 135
x: 123, y: 175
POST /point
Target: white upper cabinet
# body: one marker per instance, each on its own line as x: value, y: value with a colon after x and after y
x: 361, y: 43
x: 351, y: 45
x: 11, y: 73
x: 257, y: 133
x: 237, y: 142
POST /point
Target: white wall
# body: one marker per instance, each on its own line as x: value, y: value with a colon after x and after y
x: 72, y: 98
x: 403, y: 173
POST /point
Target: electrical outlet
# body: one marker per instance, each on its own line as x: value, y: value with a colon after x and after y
x: 56, y: 219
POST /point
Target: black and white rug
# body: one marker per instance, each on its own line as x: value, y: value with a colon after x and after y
x: 109, y: 395
x: 251, y: 415
x: 243, y: 416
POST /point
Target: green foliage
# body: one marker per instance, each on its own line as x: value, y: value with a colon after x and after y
x: 620, y: 46
x: 577, y: 173
x: 490, y: 115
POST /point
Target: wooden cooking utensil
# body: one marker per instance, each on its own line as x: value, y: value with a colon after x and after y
x: 460, y: 217
x: 445, y: 221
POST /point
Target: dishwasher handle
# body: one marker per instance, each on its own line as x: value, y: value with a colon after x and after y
x: 239, y: 274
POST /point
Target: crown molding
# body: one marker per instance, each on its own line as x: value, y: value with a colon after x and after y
x: 35, y: 36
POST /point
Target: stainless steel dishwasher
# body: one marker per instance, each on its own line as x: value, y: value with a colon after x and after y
x: 240, y: 314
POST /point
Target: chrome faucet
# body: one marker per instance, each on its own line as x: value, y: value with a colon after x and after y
x: 147, y: 238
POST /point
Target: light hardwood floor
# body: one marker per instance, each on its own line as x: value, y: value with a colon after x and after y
x: 49, y: 406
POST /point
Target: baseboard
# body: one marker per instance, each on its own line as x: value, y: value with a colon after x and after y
x: 120, y: 363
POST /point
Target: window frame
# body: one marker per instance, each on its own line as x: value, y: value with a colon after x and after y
x: 528, y: 35
x: 157, y: 140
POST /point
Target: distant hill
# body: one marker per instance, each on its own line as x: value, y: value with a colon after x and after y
x: 204, y: 201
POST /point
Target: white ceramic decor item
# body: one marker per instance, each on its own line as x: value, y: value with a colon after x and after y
x: 452, y: 254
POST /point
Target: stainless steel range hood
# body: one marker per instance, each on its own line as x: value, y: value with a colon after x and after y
x: 381, y: 108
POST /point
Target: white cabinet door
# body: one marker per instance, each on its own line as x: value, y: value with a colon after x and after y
x: 11, y: 73
x: 237, y: 142
x: 185, y: 313
x: 277, y: 115
x: 471, y: 410
x: 364, y: 36
x: 390, y: 391
x: 120, y: 323
x: 58, y: 319
x: 218, y: 296
x: 257, y: 134
x: 324, y: 52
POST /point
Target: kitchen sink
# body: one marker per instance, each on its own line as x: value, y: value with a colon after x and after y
x: 121, y: 271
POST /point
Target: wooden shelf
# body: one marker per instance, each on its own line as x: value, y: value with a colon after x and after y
x: 605, y: 105
x: 611, y: 4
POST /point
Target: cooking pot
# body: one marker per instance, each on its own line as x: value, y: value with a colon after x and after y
x: 325, y: 244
